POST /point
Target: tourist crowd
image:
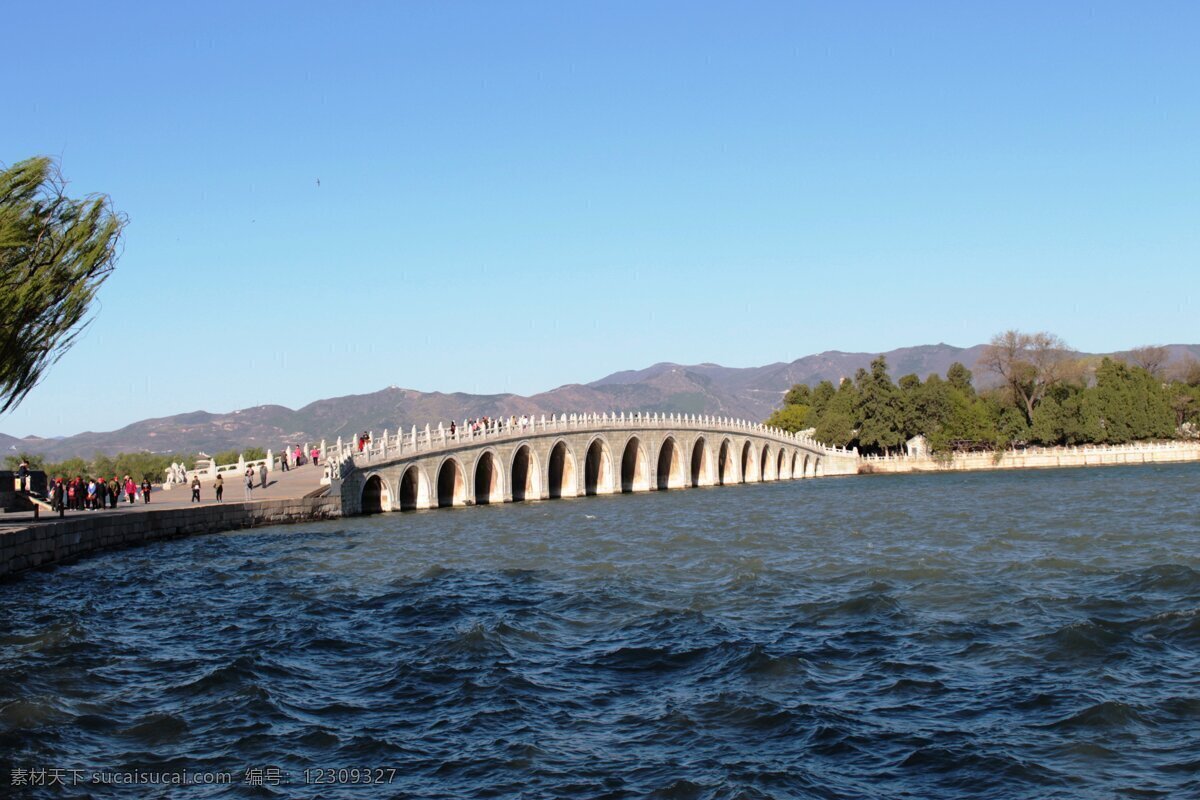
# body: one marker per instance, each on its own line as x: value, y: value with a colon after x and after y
x: 298, y: 457
x: 478, y: 425
x: 93, y: 494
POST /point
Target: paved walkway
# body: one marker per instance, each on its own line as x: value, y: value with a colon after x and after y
x: 294, y: 483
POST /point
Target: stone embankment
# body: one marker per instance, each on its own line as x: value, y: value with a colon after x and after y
x: 50, y: 542
x: 1037, y: 458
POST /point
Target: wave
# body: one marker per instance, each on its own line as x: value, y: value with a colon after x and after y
x: 157, y: 728
x: 32, y: 713
x: 1172, y: 578
x: 1085, y: 639
x: 1102, y: 715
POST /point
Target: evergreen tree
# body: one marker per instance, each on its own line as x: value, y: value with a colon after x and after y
x: 798, y: 395
x: 910, y: 393
x: 1131, y: 403
x: 821, y: 397
x: 835, y: 424
x: 835, y: 428
x: 1081, y: 420
x: 880, y: 416
x: 959, y: 377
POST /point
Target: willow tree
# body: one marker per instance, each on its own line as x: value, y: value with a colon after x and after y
x: 55, y: 252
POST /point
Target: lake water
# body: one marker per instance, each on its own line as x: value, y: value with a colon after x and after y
x: 1019, y: 634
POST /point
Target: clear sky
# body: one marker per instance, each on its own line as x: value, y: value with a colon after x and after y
x: 514, y: 196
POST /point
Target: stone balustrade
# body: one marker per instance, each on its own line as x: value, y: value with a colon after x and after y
x: 424, y: 440
x: 569, y: 455
x: 1038, y: 457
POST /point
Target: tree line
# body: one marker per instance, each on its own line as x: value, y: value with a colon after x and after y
x: 1045, y: 394
x: 152, y: 466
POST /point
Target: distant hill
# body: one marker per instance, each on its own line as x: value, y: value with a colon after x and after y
x: 750, y: 393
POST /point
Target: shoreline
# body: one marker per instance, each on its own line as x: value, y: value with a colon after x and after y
x: 60, y: 540
x: 55, y: 541
x: 1037, y: 458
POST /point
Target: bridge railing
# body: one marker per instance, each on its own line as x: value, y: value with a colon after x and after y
x: 1128, y: 448
x: 391, y: 446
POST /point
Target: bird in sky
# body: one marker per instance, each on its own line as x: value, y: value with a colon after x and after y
x: 318, y: 183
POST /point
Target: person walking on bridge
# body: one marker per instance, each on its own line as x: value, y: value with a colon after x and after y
x: 195, y: 488
x: 262, y: 475
x: 248, y: 480
x: 146, y: 490
x: 219, y: 488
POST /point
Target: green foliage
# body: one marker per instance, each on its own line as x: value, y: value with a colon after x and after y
x: 231, y: 456
x: 54, y: 254
x: 793, y: 415
x: 821, y: 397
x: 880, y: 410
x: 798, y: 395
x: 960, y: 377
x: 836, y: 423
x: 35, y: 462
x: 1185, y: 403
x: 835, y: 428
x: 1132, y: 403
x: 791, y: 418
x: 1010, y: 428
x: 137, y: 465
x: 1049, y: 405
x: 949, y: 415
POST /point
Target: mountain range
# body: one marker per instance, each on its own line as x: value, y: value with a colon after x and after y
x: 749, y: 393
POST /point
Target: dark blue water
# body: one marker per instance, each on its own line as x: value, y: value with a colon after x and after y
x: 1023, y: 634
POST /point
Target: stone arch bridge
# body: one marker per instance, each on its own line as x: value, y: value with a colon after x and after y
x: 571, y: 456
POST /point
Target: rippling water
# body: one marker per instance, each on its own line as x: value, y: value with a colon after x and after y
x: 1023, y: 634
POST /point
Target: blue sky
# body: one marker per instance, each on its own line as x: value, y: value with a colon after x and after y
x: 514, y: 196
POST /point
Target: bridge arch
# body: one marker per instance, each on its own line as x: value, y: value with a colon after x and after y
x: 376, y: 495
x: 726, y: 471
x: 750, y: 472
x: 701, y: 464
x: 781, y: 468
x: 489, y: 478
x: 526, y: 474
x: 561, y: 471
x: 766, y: 464
x: 598, y: 468
x: 795, y: 461
x: 451, y: 483
x: 670, y: 471
x: 635, y: 468
x: 414, y: 489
